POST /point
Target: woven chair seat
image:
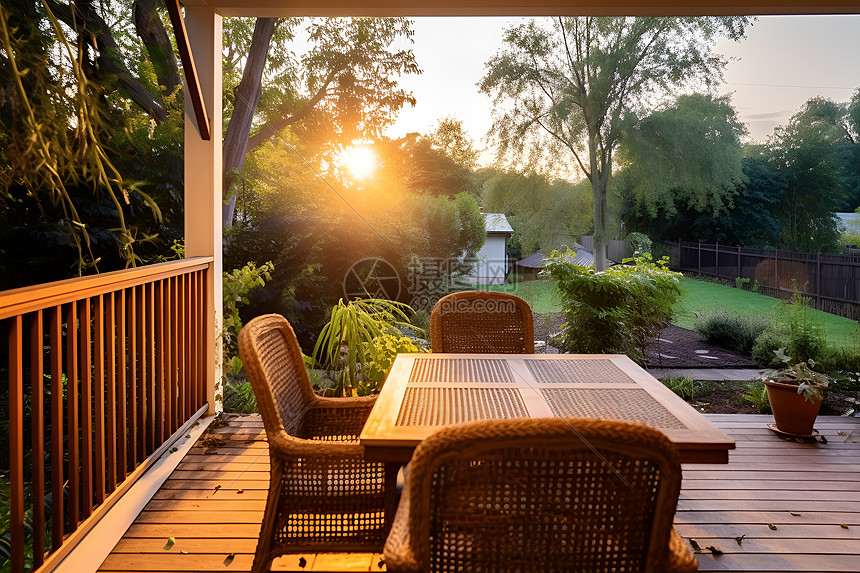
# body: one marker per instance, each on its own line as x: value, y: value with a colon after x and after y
x: 482, y: 322
x: 323, y: 495
x: 540, y: 495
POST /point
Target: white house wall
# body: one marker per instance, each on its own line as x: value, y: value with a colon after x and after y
x: 492, y: 261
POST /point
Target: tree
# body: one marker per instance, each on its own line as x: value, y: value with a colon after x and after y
x: 808, y: 159
x: 570, y: 85
x: 350, y: 71
x: 544, y: 214
x: 686, y: 156
x: 450, y: 138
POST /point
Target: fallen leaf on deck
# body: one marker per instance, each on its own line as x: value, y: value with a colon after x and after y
x: 772, y: 526
x: 823, y: 440
x: 170, y: 543
x: 740, y: 539
x: 240, y: 490
x: 794, y: 514
x: 183, y: 552
x: 381, y: 564
x: 843, y: 525
x: 302, y: 562
x: 217, y: 487
x: 714, y: 550
x: 229, y: 559
x: 695, y: 545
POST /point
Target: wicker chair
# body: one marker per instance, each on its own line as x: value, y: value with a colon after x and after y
x: 540, y: 495
x: 323, y: 495
x: 482, y: 322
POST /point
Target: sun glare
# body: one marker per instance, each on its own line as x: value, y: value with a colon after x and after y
x: 360, y: 160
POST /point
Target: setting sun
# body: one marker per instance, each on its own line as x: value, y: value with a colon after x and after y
x: 359, y: 159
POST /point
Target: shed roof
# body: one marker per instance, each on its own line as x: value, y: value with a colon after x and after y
x: 497, y: 223
x: 537, y: 261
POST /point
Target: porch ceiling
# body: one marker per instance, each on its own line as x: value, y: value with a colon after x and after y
x: 279, y: 8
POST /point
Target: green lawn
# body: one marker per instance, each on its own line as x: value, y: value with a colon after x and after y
x: 700, y: 297
x: 539, y: 294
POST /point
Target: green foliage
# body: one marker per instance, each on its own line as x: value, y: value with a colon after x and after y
x: 381, y: 354
x: 450, y: 137
x: 345, y: 342
x: 67, y: 200
x: 767, y: 343
x: 237, y: 284
x: 741, y: 282
x: 681, y: 385
x: 730, y: 329
x: 685, y: 387
x: 240, y: 398
x: 566, y: 109
x: 543, y: 212
x: 810, y: 384
x: 617, y: 310
x: 687, y: 155
x: 756, y: 394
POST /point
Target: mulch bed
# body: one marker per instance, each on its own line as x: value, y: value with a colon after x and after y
x: 675, y: 347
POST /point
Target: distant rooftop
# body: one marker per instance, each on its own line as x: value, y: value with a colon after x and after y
x: 497, y: 223
x: 537, y: 261
x: 847, y: 220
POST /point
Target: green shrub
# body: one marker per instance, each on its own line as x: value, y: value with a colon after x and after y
x: 345, y: 344
x: 240, y: 398
x: 680, y: 385
x: 756, y: 394
x: 381, y: 354
x: 767, y: 343
x: 730, y: 329
x: 617, y: 310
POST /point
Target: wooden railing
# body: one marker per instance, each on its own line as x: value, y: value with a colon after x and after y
x: 102, y: 370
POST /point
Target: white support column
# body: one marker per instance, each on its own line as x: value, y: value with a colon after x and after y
x: 203, y: 179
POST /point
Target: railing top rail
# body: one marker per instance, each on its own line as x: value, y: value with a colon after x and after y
x: 37, y: 297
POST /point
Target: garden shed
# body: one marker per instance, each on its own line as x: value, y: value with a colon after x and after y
x: 492, y: 260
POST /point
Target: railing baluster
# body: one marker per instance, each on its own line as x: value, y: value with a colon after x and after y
x: 169, y: 377
x: 99, y: 396
x: 86, y: 409
x: 112, y: 457
x: 37, y: 415
x: 183, y: 346
x: 195, y: 341
x: 72, y: 412
x: 57, y: 428
x: 140, y: 352
x: 122, y: 353
x: 151, y: 419
x: 160, y: 383
x: 132, y: 379
x: 16, y: 443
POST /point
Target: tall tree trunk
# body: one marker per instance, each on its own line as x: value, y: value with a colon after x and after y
x: 247, y: 95
x: 110, y: 58
x: 150, y: 29
x: 598, y: 190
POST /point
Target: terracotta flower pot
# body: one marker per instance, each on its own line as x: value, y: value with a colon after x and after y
x: 793, y: 413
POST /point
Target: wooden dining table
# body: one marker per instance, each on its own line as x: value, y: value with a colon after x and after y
x: 424, y: 392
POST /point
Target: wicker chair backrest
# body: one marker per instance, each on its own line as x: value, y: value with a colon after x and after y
x: 482, y: 322
x: 542, y: 494
x: 273, y: 360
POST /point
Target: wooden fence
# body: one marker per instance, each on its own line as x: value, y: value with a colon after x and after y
x: 831, y: 282
x: 102, y: 371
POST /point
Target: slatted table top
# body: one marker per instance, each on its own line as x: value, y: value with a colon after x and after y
x: 426, y: 391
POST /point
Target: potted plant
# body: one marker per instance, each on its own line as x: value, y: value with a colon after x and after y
x: 795, y: 393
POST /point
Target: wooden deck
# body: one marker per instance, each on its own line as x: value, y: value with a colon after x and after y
x: 777, y: 506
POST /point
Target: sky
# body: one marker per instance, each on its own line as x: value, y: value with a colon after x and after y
x: 784, y: 61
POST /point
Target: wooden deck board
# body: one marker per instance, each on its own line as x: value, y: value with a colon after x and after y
x: 786, y: 501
